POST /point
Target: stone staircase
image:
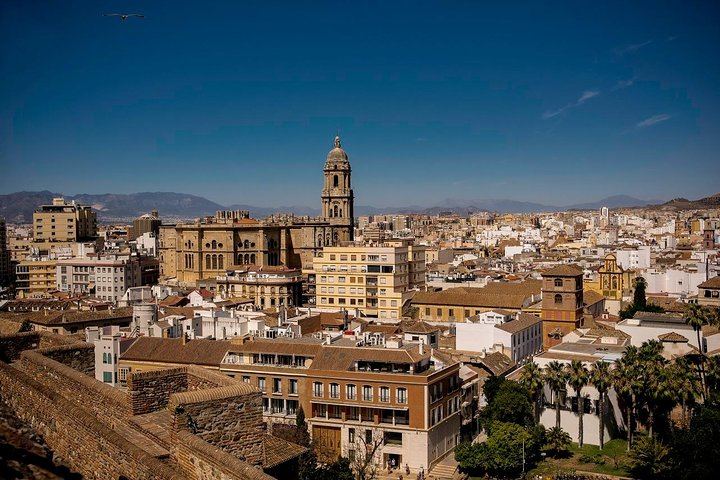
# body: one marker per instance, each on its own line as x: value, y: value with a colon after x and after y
x: 441, y: 471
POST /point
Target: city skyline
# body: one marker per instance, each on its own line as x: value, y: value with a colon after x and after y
x: 239, y: 104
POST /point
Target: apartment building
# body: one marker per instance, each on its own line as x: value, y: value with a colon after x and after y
x: 107, y: 277
x: 267, y: 286
x: 5, y: 273
x: 372, y: 279
x: 35, y: 277
x: 399, y: 401
x: 64, y: 222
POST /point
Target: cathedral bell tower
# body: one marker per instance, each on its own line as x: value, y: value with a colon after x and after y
x: 337, y: 194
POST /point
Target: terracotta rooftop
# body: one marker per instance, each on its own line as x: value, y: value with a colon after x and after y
x: 342, y: 358
x: 172, y: 350
x: 307, y: 346
x: 277, y: 451
x: 524, y: 320
x: 420, y: 327
x: 174, y: 301
x: 470, y: 297
x: 591, y: 297
x: 563, y: 271
x: 672, y: 337
x: 711, y: 283
x: 206, y: 294
x: 69, y: 317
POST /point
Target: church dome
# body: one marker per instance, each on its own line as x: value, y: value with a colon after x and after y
x: 337, y: 156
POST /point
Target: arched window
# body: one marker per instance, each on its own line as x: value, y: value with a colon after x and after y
x: 104, y: 357
x: 240, y: 259
x: 214, y: 262
x: 247, y: 258
x: 340, y: 212
x: 335, y: 181
x: 335, y: 210
x: 246, y: 244
x: 252, y: 258
x: 214, y: 245
x: 207, y: 261
x: 558, y: 298
x: 558, y: 282
x: 220, y: 262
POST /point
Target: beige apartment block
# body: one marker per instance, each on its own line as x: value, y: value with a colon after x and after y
x: 35, y: 278
x: 64, y: 222
x: 374, y: 280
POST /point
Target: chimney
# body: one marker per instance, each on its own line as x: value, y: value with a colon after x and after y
x: 422, y: 348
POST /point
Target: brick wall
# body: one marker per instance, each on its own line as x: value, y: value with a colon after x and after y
x: 76, y: 435
x: 227, y: 417
x: 150, y: 391
x: 201, y: 378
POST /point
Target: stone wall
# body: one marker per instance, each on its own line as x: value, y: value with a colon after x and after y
x: 150, y: 391
x: 80, y: 356
x: 106, y: 402
x: 201, y: 378
x: 200, y: 460
x: 227, y: 417
x: 12, y: 345
x: 76, y: 435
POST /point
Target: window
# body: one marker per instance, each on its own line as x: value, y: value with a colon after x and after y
x: 427, y: 311
x: 393, y: 438
x: 107, y: 377
x: 261, y: 383
x: 277, y: 385
x: 293, y: 386
x: 384, y: 394
x: 317, y: 389
x: 558, y: 282
x: 558, y: 298
x: 334, y: 390
x: 350, y: 392
x: 351, y: 435
x: 401, y: 395
x: 367, y: 392
x: 368, y: 437
x: 245, y: 378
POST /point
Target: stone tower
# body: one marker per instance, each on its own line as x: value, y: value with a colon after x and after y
x: 337, y: 194
x: 562, y: 302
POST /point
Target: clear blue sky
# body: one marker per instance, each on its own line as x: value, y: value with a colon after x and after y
x: 238, y: 101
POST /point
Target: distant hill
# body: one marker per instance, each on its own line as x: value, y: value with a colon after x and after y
x: 713, y: 201
x: 18, y: 207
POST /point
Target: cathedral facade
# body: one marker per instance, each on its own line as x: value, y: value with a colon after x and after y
x: 194, y: 252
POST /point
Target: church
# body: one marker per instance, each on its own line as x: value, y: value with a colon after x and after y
x: 195, y: 252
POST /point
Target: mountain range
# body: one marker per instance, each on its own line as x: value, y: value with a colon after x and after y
x: 18, y: 207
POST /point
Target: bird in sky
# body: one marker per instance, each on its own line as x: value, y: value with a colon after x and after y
x: 123, y: 16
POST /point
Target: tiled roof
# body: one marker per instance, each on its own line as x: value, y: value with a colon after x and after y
x: 277, y: 451
x: 204, y: 293
x: 172, y: 350
x: 308, y: 347
x: 420, y: 327
x: 470, y: 297
x: 591, y: 297
x: 342, y: 358
x: 69, y: 317
x: 672, y: 337
x: 498, y: 363
x: 563, y: 271
x: 711, y: 283
x: 524, y: 320
x: 174, y: 301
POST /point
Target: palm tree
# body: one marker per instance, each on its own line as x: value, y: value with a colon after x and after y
x: 556, y: 379
x: 696, y: 316
x: 601, y: 379
x: 532, y: 379
x: 626, y: 381
x: 685, y: 385
x: 578, y: 377
x: 658, y: 384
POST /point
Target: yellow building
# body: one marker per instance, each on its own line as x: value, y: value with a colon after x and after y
x: 375, y: 280
x: 64, y: 222
x: 35, y: 278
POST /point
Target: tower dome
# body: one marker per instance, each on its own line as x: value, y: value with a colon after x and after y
x: 337, y: 158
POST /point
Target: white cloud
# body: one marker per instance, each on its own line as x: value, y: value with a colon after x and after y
x: 654, y: 120
x: 586, y: 95
x: 632, y: 48
x: 624, y: 84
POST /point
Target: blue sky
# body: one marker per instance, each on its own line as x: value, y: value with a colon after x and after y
x: 552, y: 102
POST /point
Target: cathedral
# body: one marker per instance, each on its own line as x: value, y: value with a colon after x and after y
x: 199, y: 251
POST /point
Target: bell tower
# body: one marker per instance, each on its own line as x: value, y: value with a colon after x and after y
x: 337, y: 195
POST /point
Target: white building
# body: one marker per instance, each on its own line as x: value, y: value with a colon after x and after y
x: 107, y: 341
x: 646, y: 326
x: 109, y: 277
x: 519, y: 336
x: 634, y: 258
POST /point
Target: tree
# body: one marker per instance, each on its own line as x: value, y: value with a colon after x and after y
x: 697, y: 317
x: 510, y: 405
x: 626, y: 380
x: 650, y: 459
x: 532, y: 379
x: 302, y: 434
x: 601, y: 379
x: 364, y: 462
x: 556, y: 378
x: 557, y: 442
x: 578, y: 378
x: 491, y: 387
x: 340, y: 469
x: 639, y: 301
